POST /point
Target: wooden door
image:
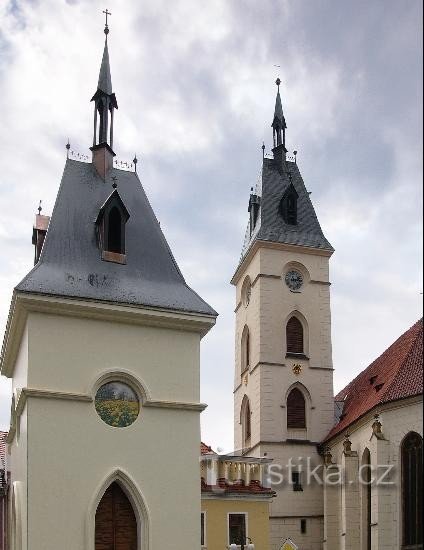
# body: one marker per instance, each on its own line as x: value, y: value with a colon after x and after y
x: 116, y: 525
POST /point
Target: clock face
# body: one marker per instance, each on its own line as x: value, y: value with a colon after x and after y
x: 294, y: 280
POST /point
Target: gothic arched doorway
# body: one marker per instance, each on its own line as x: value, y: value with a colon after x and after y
x: 116, y: 524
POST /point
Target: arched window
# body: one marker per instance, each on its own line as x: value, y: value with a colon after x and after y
x: 288, y: 205
x: 294, y: 336
x: 245, y: 349
x: 110, y: 223
x: 296, y: 410
x: 114, y: 233
x: 116, y: 524
x: 366, y: 500
x: 412, y: 487
x: 246, y: 421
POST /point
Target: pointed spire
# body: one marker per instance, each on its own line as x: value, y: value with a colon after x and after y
x: 104, y: 105
x: 279, y: 126
x: 278, y: 112
x: 105, y: 80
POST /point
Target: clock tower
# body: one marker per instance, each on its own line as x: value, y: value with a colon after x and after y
x: 283, y: 385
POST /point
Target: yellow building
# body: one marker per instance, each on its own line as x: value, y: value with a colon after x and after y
x: 235, y: 501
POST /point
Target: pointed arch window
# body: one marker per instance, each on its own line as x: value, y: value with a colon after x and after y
x: 245, y: 349
x: 366, y: 500
x: 412, y: 486
x: 246, y: 422
x: 288, y: 205
x: 111, y: 226
x: 296, y: 410
x: 294, y: 336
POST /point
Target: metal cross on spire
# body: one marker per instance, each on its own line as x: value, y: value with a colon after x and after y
x: 106, y: 12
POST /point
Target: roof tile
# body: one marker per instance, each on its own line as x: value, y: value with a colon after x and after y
x: 396, y: 374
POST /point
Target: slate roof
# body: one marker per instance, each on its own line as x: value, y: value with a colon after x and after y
x: 396, y: 374
x: 270, y: 225
x: 70, y: 263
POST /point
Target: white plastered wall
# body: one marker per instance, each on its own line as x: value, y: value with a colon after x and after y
x: 71, y: 452
x: 271, y: 376
x: 397, y: 419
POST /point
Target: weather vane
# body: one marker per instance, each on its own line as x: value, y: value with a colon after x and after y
x: 40, y: 208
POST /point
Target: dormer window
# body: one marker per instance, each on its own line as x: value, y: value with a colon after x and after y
x: 288, y: 205
x: 110, y: 223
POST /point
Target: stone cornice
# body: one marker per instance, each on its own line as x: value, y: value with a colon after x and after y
x: 23, y: 303
x: 275, y: 246
x: 26, y: 393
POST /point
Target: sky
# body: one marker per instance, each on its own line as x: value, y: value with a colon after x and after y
x: 196, y: 93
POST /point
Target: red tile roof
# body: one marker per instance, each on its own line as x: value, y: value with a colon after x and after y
x: 396, y: 374
x: 205, y: 449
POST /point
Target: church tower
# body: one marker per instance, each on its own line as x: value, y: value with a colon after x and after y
x: 102, y: 347
x: 283, y: 387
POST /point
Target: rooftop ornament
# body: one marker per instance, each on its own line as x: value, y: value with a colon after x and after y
x: 106, y: 12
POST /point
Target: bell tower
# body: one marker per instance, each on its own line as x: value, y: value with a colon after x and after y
x: 283, y: 385
x: 102, y: 349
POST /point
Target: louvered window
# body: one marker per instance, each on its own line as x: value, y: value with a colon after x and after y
x: 412, y: 486
x: 294, y: 334
x: 296, y: 413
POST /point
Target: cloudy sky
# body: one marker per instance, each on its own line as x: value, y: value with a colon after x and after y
x: 195, y: 87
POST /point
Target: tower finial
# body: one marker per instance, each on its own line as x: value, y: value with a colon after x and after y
x: 40, y: 208
x: 279, y: 123
x: 106, y: 31
x: 104, y: 107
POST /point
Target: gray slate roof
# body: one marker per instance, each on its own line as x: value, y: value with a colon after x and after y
x: 70, y: 264
x: 271, y: 225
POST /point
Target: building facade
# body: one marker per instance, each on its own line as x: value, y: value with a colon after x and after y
x: 284, y: 408
x: 377, y: 447
x: 102, y: 347
x: 235, y: 501
x: 283, y: 385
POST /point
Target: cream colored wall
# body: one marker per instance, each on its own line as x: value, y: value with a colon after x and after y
x: 71, y: 452
x: 398, y: 419
x: 270, y: 307
x: 271, y: 376
x: 217, y: 511
x: 73, y: 353
x: 17, y: 462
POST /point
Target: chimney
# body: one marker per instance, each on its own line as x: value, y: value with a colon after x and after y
x: 39, y: 233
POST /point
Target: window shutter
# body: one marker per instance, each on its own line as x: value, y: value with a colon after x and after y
x: 294, y: 333
x: 296, y: 414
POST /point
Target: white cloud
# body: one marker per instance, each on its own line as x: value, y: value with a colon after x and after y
x: 195, y: 91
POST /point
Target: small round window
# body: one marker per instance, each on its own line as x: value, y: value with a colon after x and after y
x: 117, y: 404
